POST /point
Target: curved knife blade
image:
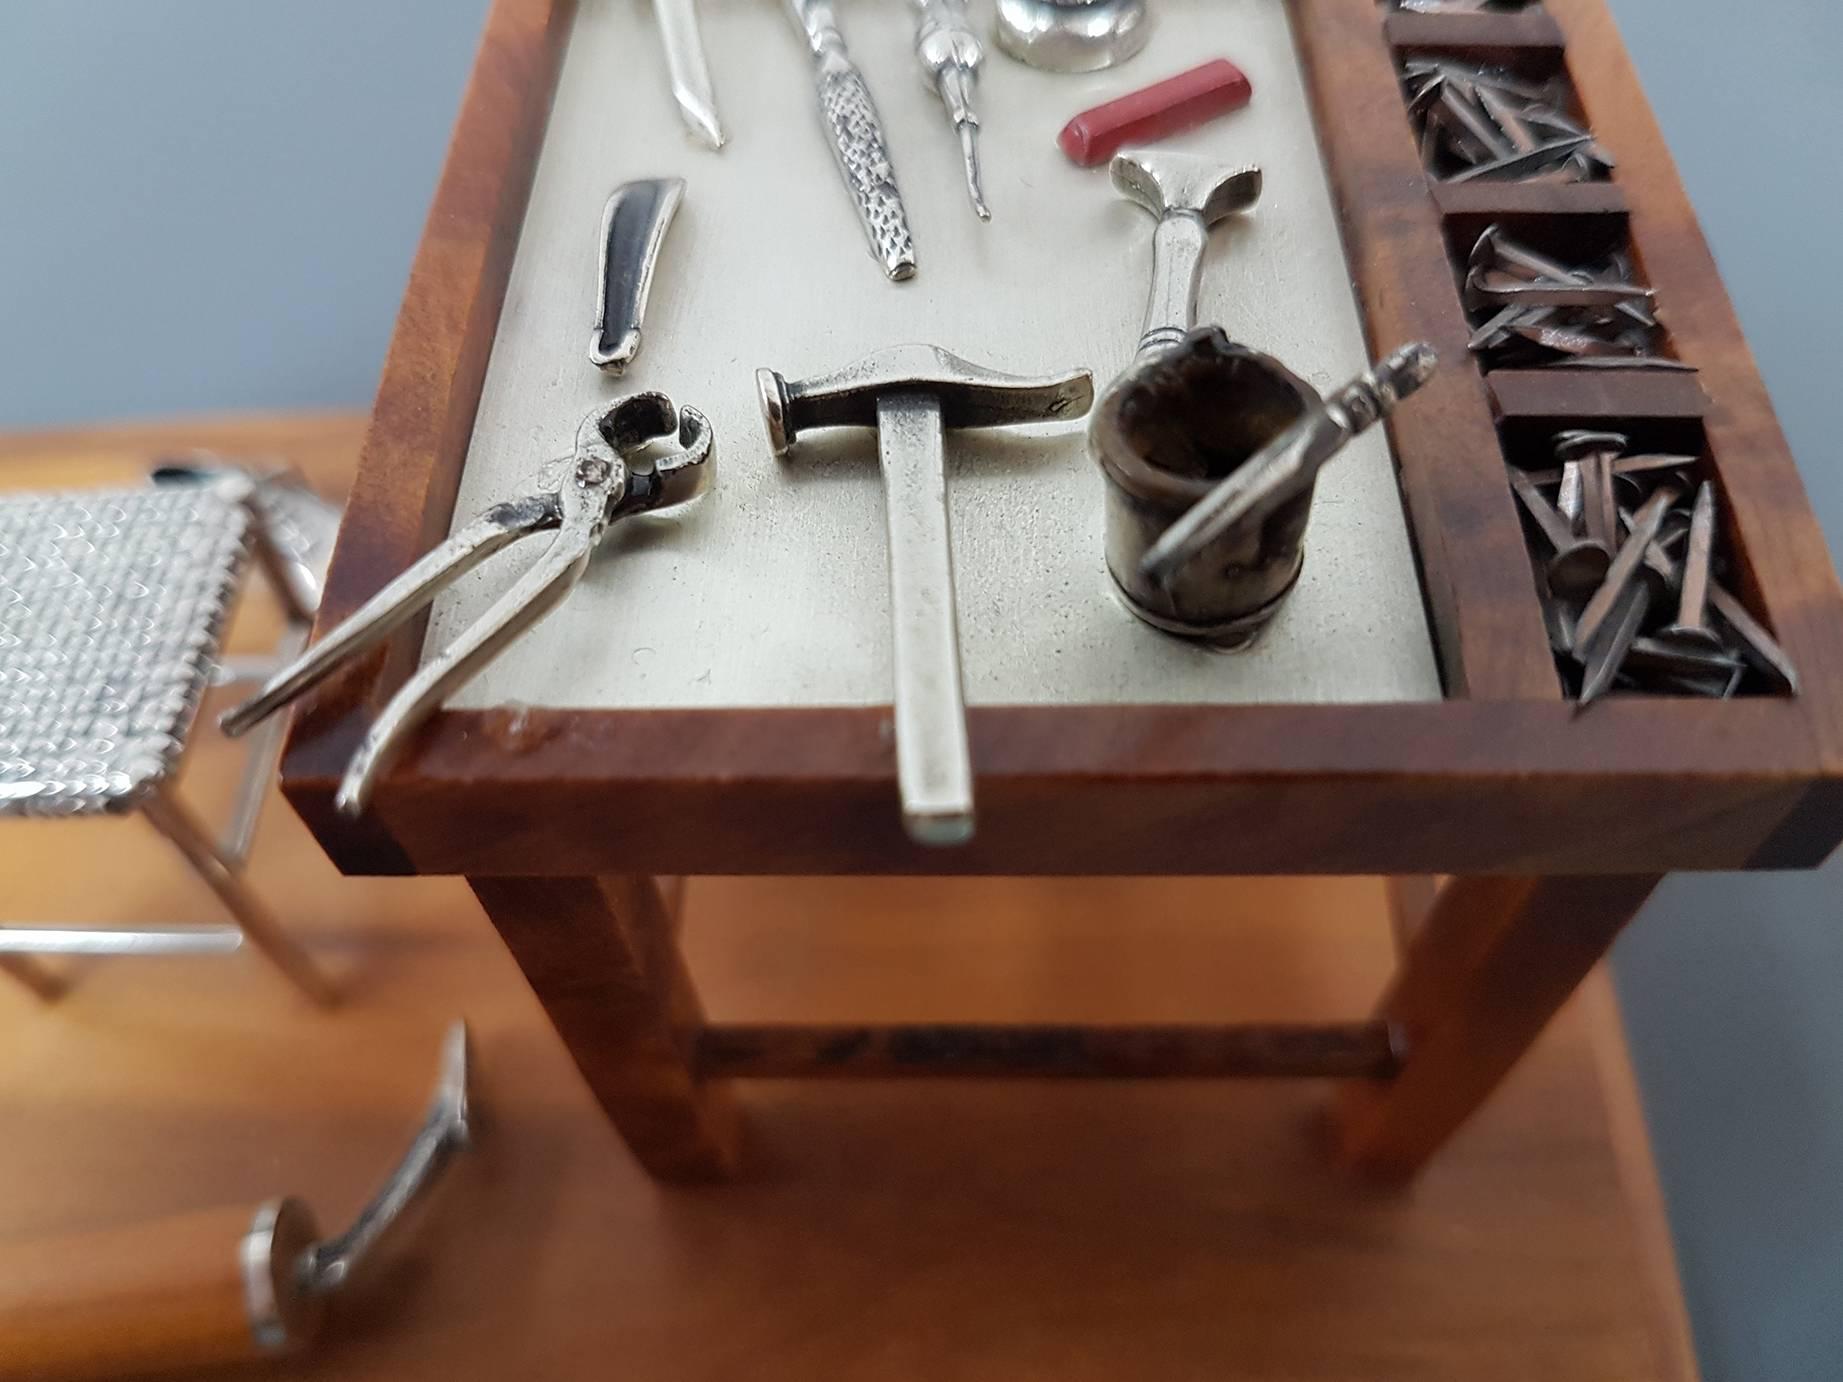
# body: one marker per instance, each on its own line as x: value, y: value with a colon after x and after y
x: 634, y: 225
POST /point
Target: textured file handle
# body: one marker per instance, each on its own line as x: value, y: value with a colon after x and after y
x: 856, y: 136
x: 857, y: 143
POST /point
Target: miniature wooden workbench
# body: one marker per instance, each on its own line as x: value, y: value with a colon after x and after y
x: 580, y: 768
x: 877, y: 1231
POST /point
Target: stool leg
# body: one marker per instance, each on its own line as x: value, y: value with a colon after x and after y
x: 601, y: 957
x: 1483, y: 973
x: 258, y: 923
x: 33, y: 975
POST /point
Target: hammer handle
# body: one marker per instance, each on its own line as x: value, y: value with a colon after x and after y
x: 934, y: 770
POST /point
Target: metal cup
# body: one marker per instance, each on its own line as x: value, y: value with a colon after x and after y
x: 1168, y: 430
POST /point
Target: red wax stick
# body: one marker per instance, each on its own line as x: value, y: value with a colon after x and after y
x: 1168, y: 107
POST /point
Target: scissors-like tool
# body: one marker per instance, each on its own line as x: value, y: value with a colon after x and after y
x: 613, y: 473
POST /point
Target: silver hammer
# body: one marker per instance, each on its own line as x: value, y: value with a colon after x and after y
x: 1188, y: 194
x: 911, y: 394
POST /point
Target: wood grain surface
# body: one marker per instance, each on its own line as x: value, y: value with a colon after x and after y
x: 1531, y: 26
x: 602, y: 957
x: 961, y: 1050
x: 1563, y: 398
x: 1464, y: 521
x: 1488, y: 966
x: 1488, y: 201
x: 1456, y: 787
x: 996, y: 1230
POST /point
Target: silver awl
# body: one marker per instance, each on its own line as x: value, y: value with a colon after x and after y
x: 1292, y: 458
x: 950, y: 53
x: 684, y: 45
x: 856, y: 137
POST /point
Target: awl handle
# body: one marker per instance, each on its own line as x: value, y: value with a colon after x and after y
x: 213, y: 1287
x: 196, y: 1290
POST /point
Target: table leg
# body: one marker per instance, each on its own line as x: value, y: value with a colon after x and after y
x: 601, y: 956
x: 1491, y: 962
x: 1410, y: 898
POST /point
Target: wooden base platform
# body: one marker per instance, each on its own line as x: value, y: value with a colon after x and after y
x: 997, y: 1230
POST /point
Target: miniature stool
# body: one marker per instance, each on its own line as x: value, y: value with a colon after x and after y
x: 113, y: 609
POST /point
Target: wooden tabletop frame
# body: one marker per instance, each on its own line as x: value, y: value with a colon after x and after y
x: 1502, y: 776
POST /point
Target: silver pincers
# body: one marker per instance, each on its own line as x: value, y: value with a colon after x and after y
x: 614, y: 471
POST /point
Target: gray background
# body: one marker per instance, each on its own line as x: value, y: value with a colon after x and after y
x: 209, y: 204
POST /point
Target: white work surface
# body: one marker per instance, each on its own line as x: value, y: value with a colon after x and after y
x: 771, y: 589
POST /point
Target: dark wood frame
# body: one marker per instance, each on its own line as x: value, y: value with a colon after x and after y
x: 1500, y: 778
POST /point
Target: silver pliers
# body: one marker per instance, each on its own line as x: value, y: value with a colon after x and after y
x: 615, y: 470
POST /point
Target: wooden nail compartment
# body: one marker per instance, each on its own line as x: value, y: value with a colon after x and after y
x: 1485, y: 768
x: 1558, y: 388
x: 1573, y: 239
x: 1529, y: 446
x: 1578, y: 225
x: 1537, y: 66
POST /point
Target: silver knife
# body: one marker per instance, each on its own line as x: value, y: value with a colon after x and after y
x: 856, y: 137
x: 684, y: 45
x: 634, y: 225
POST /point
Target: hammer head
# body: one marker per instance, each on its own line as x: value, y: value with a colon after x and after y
x: 1164, y: 182
x: 969, y: 395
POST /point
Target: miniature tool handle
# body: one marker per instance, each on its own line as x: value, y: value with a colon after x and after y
x: 950, y: 53
x: 855, y: 134
x: 945, y: 41
x: 1178, y: 243
x: 934, y: 768
x: 217, y: 1286
x: 165, y: 1295
x: 394, y: 606
x: 819, y: 21
x: 1153, y: 112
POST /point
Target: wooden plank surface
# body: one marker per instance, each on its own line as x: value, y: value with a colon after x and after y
x: 1004, y: 1230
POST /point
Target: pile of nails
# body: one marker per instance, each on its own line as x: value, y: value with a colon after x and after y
x: 1530, y: 309
x: 1477, y: 122
x: 1626, y: 559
